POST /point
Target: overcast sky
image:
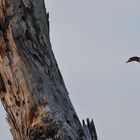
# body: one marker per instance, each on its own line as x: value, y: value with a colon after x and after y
x: 92, y: 40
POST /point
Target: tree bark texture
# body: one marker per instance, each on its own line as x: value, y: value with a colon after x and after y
x: 32, y: 90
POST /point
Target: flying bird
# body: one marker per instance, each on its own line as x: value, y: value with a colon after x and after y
x: 135, y: 58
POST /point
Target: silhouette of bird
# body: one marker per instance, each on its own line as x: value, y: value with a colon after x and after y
x: 135, y: 58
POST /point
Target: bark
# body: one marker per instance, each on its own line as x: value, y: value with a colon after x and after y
x: 32, y: 89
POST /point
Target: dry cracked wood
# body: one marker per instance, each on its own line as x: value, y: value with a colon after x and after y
x: 32, y: 90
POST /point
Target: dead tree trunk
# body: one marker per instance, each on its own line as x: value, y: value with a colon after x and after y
x: 32, y: 90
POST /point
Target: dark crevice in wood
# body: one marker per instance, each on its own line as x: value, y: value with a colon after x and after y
x: 51, y: 131
x: 80, y: 133
x: 16, y: 114
x: 2, y: 84
x: 23, y: 18
x: 28, y: 35
x: 1, y: 28
x: 9, y: 82
x: 20, y: 6
x: 68, y: 122
x: 17, y: 103
x: 11, y: 99
x: 23, y: 102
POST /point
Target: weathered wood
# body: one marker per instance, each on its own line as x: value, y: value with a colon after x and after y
x: 32, y: 89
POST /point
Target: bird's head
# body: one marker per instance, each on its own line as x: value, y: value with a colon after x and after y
x: 135, y: 58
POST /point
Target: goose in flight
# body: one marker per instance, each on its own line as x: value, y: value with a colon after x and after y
x: 135, y: 58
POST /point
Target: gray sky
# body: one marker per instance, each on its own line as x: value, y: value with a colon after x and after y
x: 92, y: 40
